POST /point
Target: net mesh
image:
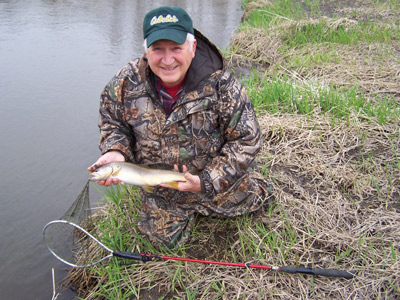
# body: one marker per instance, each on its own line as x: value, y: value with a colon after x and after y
x: 80, y: 210
x: 65, y: 241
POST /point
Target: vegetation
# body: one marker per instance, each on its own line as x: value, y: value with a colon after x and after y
x: 324, y: 77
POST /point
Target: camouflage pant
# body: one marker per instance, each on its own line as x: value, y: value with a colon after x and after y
x: 168, y: 215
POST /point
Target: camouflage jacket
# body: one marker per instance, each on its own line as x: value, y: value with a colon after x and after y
x: 212, y: 128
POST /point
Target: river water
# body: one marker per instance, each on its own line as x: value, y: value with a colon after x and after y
x: 55, y: 58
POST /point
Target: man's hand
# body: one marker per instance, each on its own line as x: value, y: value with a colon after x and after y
x: 192, y: 183
x: 105, y: 159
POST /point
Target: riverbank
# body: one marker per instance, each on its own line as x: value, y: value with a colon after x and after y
x: 325, y: 79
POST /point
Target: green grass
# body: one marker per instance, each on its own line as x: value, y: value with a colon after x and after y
x: 269, y: 15
x: 283, y: 95
x: 326, y: 55
x: 320, y: 41
x: 323, y: 33
x: 112, y: 231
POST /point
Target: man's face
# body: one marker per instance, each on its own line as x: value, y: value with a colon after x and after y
x: 170, y: 61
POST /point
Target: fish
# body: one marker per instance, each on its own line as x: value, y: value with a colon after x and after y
x: 137, y: 175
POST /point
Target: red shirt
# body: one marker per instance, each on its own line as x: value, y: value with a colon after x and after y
x: 169, y: 94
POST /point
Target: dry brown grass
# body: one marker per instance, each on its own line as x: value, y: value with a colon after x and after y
x: 339, y: 188
x: 337, y: 192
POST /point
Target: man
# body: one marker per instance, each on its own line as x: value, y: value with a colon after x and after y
x: 178, y: 107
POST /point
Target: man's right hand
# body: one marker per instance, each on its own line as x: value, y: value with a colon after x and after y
x: 105, y: 159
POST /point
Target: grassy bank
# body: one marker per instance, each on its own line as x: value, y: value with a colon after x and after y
x: 325, y: 80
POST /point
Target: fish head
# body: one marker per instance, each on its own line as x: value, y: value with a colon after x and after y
x: 101, y: 173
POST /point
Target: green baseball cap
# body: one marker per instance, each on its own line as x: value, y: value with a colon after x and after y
x: 167, y: 23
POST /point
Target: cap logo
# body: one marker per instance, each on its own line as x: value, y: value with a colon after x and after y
x: 162, y: 19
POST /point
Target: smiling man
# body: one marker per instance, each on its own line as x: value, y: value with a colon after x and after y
x: 178, y: 107
x: 170, y: 45
x: 170, y: 61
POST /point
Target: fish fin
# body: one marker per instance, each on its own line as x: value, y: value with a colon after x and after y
x: 116, y: 172
x: 173, y: 184
x: 148, y: 188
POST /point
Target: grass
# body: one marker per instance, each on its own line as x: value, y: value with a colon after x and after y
x: 323, y: 77
x: 323, y: 32
x: 281, y: 95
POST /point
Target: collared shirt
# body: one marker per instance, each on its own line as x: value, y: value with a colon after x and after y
x: 169, y: 95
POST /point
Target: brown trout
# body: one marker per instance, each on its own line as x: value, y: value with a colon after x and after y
x: 137, y: 175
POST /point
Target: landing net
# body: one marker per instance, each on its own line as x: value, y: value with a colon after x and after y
x: 64, y: 241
